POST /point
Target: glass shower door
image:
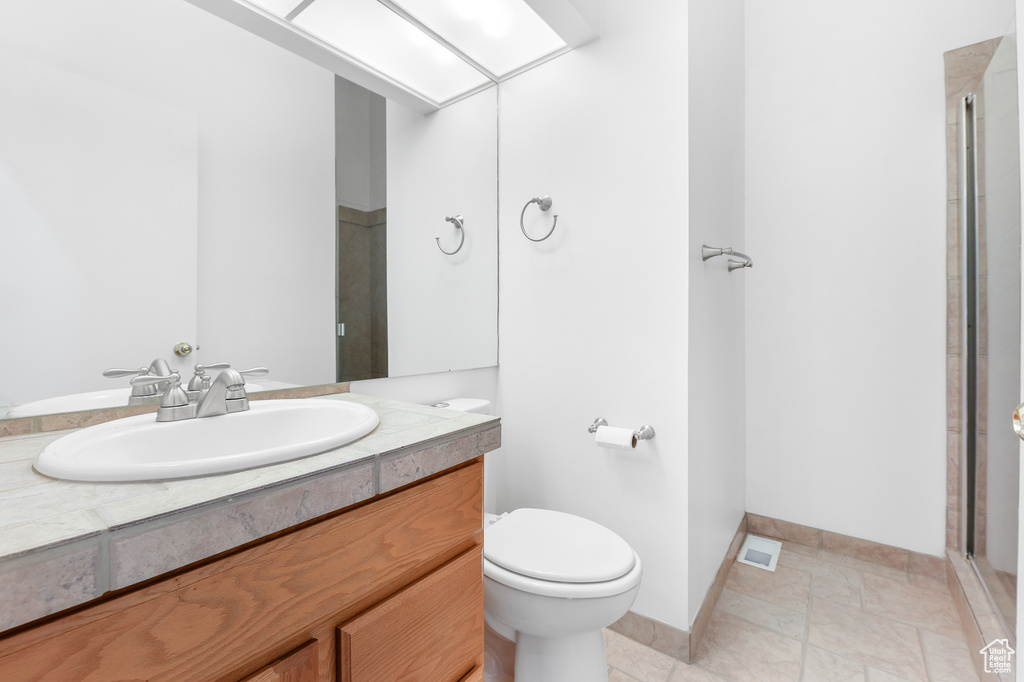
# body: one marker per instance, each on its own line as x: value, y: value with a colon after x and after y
x: 992, y: 539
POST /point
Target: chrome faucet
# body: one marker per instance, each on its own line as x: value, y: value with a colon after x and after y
x: 224, y: 395
x: 143, y: 394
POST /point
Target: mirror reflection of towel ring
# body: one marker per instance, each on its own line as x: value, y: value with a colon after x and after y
x: 457, y: 221
x: 544, y: 203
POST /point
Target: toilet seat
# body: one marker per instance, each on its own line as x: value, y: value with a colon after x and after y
x: 550, y: 588
x: 558, y: 554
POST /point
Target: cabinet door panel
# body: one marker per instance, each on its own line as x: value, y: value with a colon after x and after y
x: 477, y: 675
x: 298, y: 666
x: 431, y: 630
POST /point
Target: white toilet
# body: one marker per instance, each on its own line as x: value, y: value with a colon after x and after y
x: 552, y: 581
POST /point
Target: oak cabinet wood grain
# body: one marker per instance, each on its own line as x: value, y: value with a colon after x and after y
x: 227, y: 619
x: 431, y: 630
x: 475, y: 675
x: 298, y: 666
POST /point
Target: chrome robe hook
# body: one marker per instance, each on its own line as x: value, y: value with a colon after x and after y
x: 545, y: 204
x: 457, y: 221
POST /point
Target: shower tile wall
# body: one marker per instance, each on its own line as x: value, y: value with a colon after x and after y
x: 362, y: 294
x: 965, y: 68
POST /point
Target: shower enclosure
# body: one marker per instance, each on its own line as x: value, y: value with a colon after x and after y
x: 990, y: 224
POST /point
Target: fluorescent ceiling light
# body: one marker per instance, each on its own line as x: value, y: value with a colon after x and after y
x: 384, y: 41
x: 439, y: 50
x: 500, y: 35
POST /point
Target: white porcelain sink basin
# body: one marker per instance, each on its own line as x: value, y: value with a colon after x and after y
x: 75, y: 402
x: 111, y: 397
x: 142, y: 449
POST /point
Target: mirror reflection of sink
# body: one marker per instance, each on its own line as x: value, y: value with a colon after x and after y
x: 111, y: 397
x: 142, y: 449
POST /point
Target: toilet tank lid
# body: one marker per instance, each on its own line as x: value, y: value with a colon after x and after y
x: 478, y: 405
x: 555, y: 546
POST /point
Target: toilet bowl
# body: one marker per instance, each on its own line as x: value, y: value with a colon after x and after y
x: 552, y: 581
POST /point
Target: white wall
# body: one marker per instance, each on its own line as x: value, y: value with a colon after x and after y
x: 716, y: 423
x: 426, y: 389
x: 593, y: 321
x: 360, y: 137
x: 265, y: 171
x: 81, y: 166
x: 442, y: 309
x: 845, y: 210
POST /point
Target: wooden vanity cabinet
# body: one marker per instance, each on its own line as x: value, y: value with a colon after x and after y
x: 425, y: 632
x: 477, y: 675
x: 298, y: 666
x: 390, y: 590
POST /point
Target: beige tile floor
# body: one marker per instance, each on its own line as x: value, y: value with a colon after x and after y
x: 820, y: 617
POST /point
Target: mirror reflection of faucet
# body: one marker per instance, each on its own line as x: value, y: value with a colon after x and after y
x: 148, y: 394
x: 200, y: 381
x: 223, y: 395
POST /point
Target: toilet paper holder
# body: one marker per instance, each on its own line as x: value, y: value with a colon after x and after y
x: 645, y: 432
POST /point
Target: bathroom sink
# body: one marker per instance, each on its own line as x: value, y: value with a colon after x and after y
x: 111, y: 397
x: 142, y: 449
x: 75, y: 402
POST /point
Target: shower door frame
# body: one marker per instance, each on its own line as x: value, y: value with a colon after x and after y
x: 969, y: 322
x: 975, y: 430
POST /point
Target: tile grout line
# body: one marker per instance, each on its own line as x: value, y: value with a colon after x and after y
x: 700, y: 667
x: 863, y: 603
x: 920, y: 628
x: 924, y: 657
x: 865, y: 667
x: 805, y: 645
x: 755, y: 623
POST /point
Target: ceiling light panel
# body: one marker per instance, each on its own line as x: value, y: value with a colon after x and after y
x: 500, y: 35
x: 381, y: 39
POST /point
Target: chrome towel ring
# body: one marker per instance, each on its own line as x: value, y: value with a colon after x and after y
x: 544, y: 203
x: 707, y: 252
x: 457, y: 221
x: 734, y: 264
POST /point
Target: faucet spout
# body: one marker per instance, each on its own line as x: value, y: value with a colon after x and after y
x: 160, y: 367
x: 226, y: 394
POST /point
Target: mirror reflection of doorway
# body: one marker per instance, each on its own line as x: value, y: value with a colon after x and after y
x: 361, y: 178
x: 991, y: 219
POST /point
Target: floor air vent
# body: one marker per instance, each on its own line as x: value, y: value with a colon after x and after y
x: 760, y: 552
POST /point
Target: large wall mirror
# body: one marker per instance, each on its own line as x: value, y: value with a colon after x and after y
x: 168, y: 177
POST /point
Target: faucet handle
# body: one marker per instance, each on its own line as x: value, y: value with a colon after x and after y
x: 200, y: 369
x: 196, y: 383
x: 174, y: 403
x: 254, y: 372
x: 150, y: 379
x: 141, y: 393
x: 116, y: 373
x: 171, y: 397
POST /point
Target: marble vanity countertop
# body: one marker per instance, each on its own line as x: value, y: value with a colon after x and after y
x: 64, y: 543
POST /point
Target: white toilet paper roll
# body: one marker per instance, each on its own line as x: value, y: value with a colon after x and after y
x: 613, y: 437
